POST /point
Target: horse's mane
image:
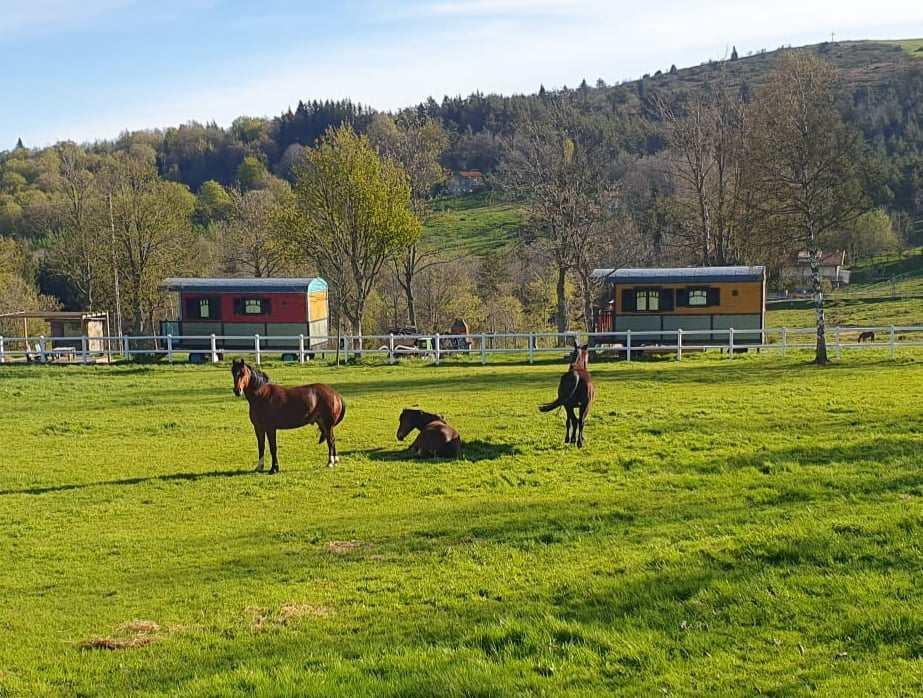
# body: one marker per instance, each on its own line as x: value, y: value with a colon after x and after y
x: 257, y: 377
x: 428, y: 417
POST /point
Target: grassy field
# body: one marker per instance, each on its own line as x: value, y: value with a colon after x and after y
x: 735, y: 527
x: 476, y: 224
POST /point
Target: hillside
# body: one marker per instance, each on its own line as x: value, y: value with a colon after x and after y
x: 477, y: 224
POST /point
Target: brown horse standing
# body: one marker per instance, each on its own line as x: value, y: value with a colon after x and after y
x: 575, y: 390
x: 273, y: 407
x: 436, y: 438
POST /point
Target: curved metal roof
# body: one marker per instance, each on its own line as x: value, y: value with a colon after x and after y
x: 246, y: 285
x: 680, y: 275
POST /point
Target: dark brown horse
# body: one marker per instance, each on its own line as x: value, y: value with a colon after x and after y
x: 273, y: 407
x: 436, y: 438
x: 575, y: 391
x: 866, y: 337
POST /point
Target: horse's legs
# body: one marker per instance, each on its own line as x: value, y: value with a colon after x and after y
x: 260, y: 446
x: 332, y: 457
x: 570, y: 430
x: 272, y: 451
x: 584, y: 409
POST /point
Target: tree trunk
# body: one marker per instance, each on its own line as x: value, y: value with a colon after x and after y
x: 408, y: 289
x: 562, y: 298
x: 820, y: 356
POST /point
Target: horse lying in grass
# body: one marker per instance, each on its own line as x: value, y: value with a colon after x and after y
x: 575, y: 391
x: 274, y: 407
x: 436, y: 438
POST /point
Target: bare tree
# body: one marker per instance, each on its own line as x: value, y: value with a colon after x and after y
x: 417, y: 147
x: 706, y: 135
x: 807, y: 164
x: 250, y: 239
x: 560, y: 166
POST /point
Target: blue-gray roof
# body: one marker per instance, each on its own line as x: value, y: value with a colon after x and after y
x: 682, y: 275
x: 251, y: 285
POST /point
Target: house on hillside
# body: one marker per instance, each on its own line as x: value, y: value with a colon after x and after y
x: 797, y: 272
x: 465, y: 182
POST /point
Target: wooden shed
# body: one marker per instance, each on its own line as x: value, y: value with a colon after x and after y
x: 66, y: 332
x: 695, y: 299
x: 236, y: 309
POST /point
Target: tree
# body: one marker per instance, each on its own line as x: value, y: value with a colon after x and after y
x: 250, y: 239
x: 417, y: 147
x: 213, y: 203
x: 734, y: 53
x: 352, y: 213
x: 151, y: 229
x: 252, y: 173
x: 560, y: 166
x: 868, y: 235
x: 713, y: 199
x: 806, y: 163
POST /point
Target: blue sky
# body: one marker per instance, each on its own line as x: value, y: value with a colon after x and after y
x: 88, y: 69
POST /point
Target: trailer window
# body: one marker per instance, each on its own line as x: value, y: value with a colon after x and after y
x: 647, y: 299
x: 204, y: 309
x: 251, y: 306
x: 698, y: 296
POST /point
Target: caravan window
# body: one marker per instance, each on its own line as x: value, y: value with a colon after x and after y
x: 204, y: 309
x: 251, y: 306
x: 698, y: 296
x: 647, y: 299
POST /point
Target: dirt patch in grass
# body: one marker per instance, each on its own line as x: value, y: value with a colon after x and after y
x: 287, y: 614
x: 135, y: 633
x: 342, y: 547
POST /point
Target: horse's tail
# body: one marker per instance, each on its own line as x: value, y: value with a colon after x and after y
x: 567, y: 388
x: 342, y: 411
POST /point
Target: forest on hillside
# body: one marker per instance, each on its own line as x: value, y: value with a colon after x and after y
x: 202, y: 199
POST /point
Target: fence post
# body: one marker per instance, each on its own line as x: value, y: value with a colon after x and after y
x: 126, y: 350
x: 170, y: 348
x: 731, y: 342
x: 483, y: 349
x: 891, y: 342
x: 784, y: 332
x: 256, y: 348
x: 836, y: 340
x: 628, y: 345
x: 215, y: 350
x: 391, y: 348
x: 438, y: 348
x: 301, y: 348
x: 531, y: 347
x: 2, y: 351
x: 679, y: 344
x: 41, y: 349
x: 84, y: 357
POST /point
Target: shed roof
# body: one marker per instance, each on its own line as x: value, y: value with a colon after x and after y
x: 246, y: 285
x: 53, y: 315
x: 679, y: 275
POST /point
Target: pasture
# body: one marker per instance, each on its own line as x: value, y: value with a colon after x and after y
x: 735, y: 527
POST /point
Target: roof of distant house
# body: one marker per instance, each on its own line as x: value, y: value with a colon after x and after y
x: 827, y: 259
x: 470, y: 174
x: 246, y: 285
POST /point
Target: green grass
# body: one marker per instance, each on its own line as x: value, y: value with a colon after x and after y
x: 478, y: 224
x: 914, y: 47
x: 886, y: 290
x: 733, y: 527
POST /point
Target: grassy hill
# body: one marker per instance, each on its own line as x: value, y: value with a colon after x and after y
x: 884, y: 291
x: 862, y: 63
x: 478, y: 224
x: 744, y: 527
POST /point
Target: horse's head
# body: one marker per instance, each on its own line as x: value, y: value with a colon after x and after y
x: 580, y: 357
x: 407, y: 423
x: 241, y: 373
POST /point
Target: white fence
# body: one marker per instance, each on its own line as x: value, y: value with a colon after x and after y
x: 437, y: 348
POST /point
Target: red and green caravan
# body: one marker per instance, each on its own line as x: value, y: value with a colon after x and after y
x: 279, y: 310
x: 694, y: 299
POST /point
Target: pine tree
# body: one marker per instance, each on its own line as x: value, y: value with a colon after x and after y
x: 734, y: 53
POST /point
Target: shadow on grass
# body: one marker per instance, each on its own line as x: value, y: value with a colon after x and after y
x: 472, y: 452
x: 128, y: 481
